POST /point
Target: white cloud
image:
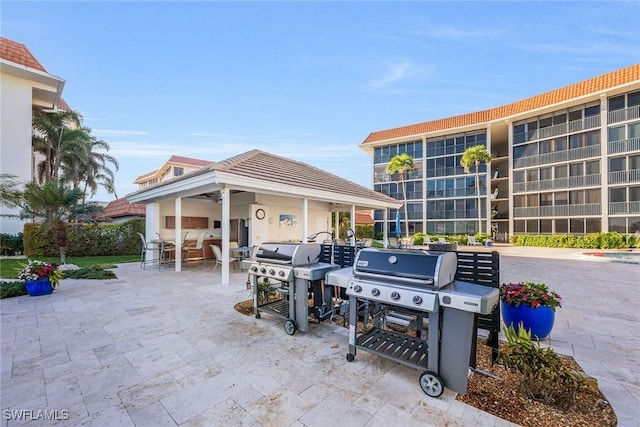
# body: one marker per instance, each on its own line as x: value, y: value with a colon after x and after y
x: 396, y: 72
x: 118, y: 132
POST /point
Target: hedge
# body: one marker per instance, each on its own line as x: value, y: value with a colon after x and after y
x: 610, y: 240
x: 86, y: 239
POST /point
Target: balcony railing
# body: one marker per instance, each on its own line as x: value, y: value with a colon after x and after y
x: 563, y: 128
x: 558, y: 156
x: 624, y: 207
x: 562, y: 210
x: 619, y: 177
x: 632, y: 144
x: 551, y: 184
x: 625, y: 114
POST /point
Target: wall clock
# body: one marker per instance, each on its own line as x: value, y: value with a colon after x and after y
x: 260, y: 214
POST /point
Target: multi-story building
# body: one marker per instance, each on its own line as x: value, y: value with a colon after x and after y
x: 174, y: 167
x: 565, y: 161
x: 26, y: 85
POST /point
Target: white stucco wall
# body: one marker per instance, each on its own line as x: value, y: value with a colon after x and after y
x: 15, y: 138
x: 243, y: 206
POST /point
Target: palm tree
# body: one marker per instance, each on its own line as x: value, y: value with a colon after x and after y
x: 55, y: 204
x: 93, y: 170
x: 71, y: 154
x: 402, y: 164
x: 9, y: 192
x: 474, y: 156
x: 52, y: 133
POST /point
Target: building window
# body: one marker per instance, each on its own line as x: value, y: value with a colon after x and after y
x: 615, y: 133
x: 616, y: 103
x: 617, y: 164
x: 562, y: 226
x: 617, y: 195
x: 592, y: 225
x: 178, y: 171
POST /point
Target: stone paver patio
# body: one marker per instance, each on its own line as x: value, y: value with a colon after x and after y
x: 163, y: 348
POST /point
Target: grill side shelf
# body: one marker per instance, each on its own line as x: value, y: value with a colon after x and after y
x: 410, y: 351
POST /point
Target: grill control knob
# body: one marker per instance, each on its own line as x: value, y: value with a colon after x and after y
x: 375, y: 292
x: 272, y: 272
x: 254, y: 268
x: 417, y: 299
x: 357, y: 288
x: 281, y: 273
x: 395, y: 296
x: 263, y: 270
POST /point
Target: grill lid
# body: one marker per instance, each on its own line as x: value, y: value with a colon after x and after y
x: 414, y: 267
x: 295, y: 254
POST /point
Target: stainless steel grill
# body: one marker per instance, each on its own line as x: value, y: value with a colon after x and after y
x: 293, y: 269
x: 417, y: 290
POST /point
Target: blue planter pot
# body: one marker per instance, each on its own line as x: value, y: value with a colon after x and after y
x: 39, y: 287
x: 538, y: 320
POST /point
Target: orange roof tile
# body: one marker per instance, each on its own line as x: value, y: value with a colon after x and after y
x: 364, y: 218
x: 121, y: 207
x: 18, y: 53
x: 576, y: 90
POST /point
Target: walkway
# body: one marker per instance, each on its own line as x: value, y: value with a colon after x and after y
x: 164, y: 348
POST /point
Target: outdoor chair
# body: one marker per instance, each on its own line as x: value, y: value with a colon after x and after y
x: 368, y: 243
x: 233, y: 245
x: 392, y: 242
x: 442, y: 240
x: 471, y: 241
x: 199, y: 247
x: 150, y: 247
x: 407, y: 242
x: 217, y: 252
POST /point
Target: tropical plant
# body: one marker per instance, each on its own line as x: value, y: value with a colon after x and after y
x: 545, y: 375
x: 9, y: 190
x: 402, y: 164
x: 55, y: 204
x: 474, y: 156
x: 531, y: 294
x: 36, y: 270
x: 70, y: 153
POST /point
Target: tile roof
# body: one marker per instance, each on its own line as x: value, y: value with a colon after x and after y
x: 189, y: 161
x: 364, y: 218
x: 175, y: 159
x: 121, y: 207
x: 271, y: 169
x: 573, y: 91
x: 264, y: 166
x: 18, y: 53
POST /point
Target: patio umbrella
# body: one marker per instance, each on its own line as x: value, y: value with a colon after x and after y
x: 398, y: 228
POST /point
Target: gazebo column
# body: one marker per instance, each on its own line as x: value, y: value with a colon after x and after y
x: 226, y: 224
x: 178, y: 234
x: 353, y: 224
x: 152, y: 226
x: 305, y: 220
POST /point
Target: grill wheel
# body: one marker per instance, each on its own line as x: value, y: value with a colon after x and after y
x: 431, y: 384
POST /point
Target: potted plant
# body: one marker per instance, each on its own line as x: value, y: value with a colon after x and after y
x: 40, y: 278
x: 529, y: 305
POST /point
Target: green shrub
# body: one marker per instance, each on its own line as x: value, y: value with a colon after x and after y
x: 545, y: 377
x: 86, y: 239
x: 610, y: 240
x: 89, y: 273
x: 11, y: 244
x: 10, y: 289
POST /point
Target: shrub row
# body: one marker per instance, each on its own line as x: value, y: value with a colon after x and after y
x: 86, y: 239
x: 11, y: 244
x: 610, y: 240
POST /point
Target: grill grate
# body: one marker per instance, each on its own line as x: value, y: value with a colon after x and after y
x: 405, y: 349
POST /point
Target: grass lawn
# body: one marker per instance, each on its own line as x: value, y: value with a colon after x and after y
x: 9, y: 268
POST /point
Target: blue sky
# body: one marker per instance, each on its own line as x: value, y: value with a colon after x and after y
x: 305, y: 80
